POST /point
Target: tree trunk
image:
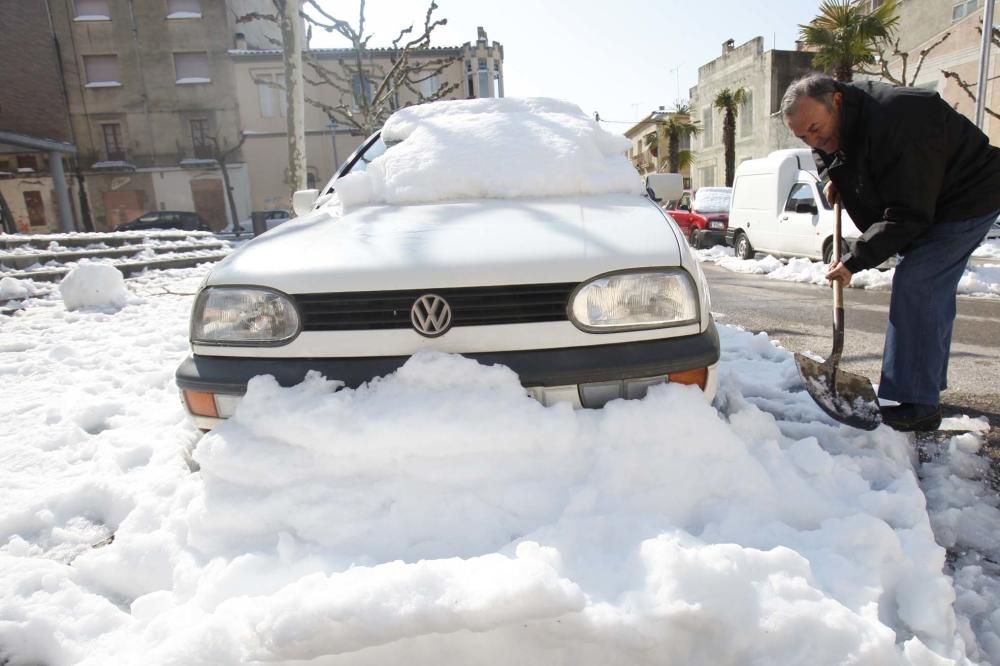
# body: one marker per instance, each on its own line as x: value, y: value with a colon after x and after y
x: 673, y: 153
x: 88, y: 222
x: 230, y: 198
x: 729, y: 142
x: 844, y: 73
x: 291, y: 37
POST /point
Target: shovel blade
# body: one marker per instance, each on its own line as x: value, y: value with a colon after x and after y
x: 846, y: 397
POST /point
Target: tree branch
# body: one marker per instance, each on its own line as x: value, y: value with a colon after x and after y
x: 967, y: 87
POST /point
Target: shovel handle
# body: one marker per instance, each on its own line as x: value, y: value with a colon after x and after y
x: 838, y: 290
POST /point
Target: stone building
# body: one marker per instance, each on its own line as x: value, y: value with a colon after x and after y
x: 476, y: 70
x: 759, y: 129
x: 152, y: 103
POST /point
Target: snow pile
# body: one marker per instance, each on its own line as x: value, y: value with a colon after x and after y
x: 491, y: 148
x: 990, y: 249
x: 439, y: 516
x: 92, y: 285
x: 976, y: 281
x: 11, y: 288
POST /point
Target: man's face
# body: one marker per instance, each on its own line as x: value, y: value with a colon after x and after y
x: 816, y: 125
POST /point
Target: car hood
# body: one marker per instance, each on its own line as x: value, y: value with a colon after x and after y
x: 454, y: 244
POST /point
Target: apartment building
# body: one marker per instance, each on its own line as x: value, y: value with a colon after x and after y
x: 149, y: 92
x: 474, y: 69
x: 764, y: 75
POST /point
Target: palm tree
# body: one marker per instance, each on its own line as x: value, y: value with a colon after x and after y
x: 729, y: 102
x: 678, y: 126
x: 846, y: 36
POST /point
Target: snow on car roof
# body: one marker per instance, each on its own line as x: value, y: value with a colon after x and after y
x: 713, y: 199
x: 495, y: 149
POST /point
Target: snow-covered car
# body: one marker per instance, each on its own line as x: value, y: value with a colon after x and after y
x: 513, y: 232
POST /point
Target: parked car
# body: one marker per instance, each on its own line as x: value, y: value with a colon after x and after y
x: 165, y: 219
x: 703, y: 217
x: 778, y: 208
x: 994, y: 232
x: 587, y: 297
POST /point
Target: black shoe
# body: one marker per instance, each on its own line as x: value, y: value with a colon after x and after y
x: 912, y: 417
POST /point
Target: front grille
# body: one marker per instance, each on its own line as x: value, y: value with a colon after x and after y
x: 471, y: 306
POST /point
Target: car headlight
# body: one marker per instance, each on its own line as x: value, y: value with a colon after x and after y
x: 716, y: 224
x: 624, y: 301
x: 243, y: 316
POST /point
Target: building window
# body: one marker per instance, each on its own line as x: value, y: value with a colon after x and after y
x: 36, y: 209
x: 962, y: 9
x: 469, y: 79
x: 707, y: 176
x: 27, y: 163
x: 484, y: 78
x: 91, y: 10
x: 178, y: 9
x: 497, y: 80
x: 706, y: 128
x: 429, y: 86
x: 746, y: 115
x: 102, y: 71
x: 192, y: 68
x: 200, y: 139
x: 362, y: 87
x: 271, y: 94
x: 114, y: 146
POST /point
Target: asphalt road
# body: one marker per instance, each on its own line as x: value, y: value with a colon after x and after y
x: 799, y: 317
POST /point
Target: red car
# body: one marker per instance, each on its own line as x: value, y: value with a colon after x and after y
x: 705, y: 219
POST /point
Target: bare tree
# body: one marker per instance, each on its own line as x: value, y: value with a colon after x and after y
x: 221, y: 153
x: 366, y: 91
x: 965, y: 85
x: 883, y: 57
x: 288, y: 16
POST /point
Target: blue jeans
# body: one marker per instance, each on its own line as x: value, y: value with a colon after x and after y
x: 922, y: 310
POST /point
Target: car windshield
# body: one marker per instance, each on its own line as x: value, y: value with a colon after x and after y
x: 713, y: 199
x: 359, y: 160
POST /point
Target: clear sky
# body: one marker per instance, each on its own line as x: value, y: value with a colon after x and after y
x: 622, y: 58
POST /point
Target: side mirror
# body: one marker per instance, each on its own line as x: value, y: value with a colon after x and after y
x: 664, y: 186
x: 806, y: 207
x: 303, y: 200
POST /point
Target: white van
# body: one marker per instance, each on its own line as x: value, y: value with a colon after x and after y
x: 778, y: 208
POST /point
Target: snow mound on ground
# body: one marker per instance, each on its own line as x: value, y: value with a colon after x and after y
x: 11, y: 288
x: 976, y: 281
x: 98, y: 286
x: 439, y: 515
x: 492, y: 148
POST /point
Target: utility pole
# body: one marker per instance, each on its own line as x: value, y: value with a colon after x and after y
x: 984, y: 62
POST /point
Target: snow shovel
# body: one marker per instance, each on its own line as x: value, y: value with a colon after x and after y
x: 847, y: 397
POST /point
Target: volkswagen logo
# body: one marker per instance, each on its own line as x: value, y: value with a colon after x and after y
x: 431, y: 315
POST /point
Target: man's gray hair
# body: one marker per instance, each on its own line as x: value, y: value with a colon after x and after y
x: 820, y: 87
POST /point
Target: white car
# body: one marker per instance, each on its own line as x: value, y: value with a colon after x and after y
x: 549, y: 258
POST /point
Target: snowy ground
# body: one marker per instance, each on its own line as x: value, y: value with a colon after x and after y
x: 981, y: 281
x: 438, y: 516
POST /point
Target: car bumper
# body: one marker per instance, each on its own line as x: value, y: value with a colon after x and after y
x: 713, y: 236
x: 583, y: 376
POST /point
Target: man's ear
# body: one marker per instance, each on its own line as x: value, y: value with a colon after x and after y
x: 838, y: 100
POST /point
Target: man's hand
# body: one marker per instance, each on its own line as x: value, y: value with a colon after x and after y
x: 837, y: 272
x: 831, y: 193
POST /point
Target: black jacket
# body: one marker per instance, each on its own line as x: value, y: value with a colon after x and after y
x: 907, y: 160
